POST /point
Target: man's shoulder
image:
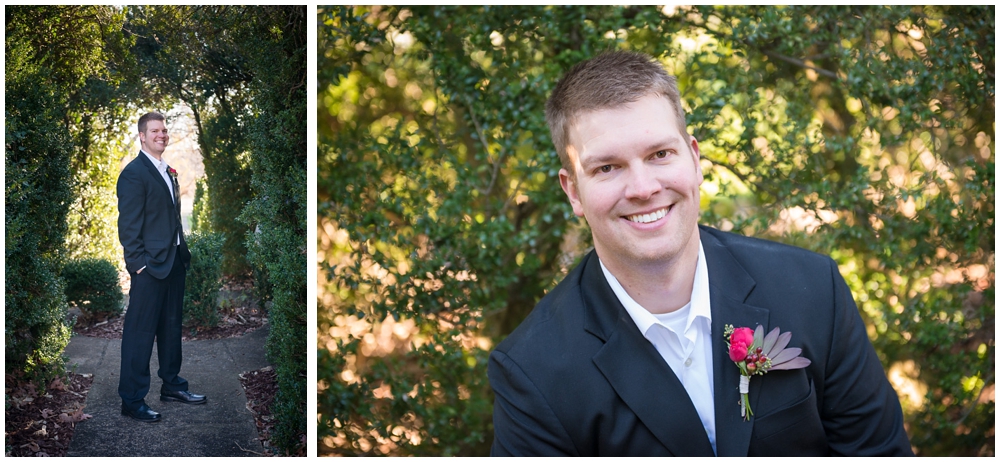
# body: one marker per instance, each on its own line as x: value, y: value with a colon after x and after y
x: 556, y: 321
x: 797, y: 286
x: 134, y: 166
x: 763, y: 253
x: 137, y: 169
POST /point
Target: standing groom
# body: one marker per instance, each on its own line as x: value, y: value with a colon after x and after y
x: 156, y: 257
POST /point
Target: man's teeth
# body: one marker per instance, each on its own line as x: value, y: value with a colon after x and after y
x: 647, y: 217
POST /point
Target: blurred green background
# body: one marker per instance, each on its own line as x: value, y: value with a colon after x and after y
x: 864, y: 133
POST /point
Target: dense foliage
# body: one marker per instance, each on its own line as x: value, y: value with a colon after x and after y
x: 56, y: 65
x: 276, y: 37
x: 203, y: 280
x: 92, y: 285
x: 37, y: 197
x: 865, y: 133
x: 200, y: 220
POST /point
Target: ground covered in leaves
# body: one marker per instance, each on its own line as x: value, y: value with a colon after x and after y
x: 260, y: 387
x: 41, y: 422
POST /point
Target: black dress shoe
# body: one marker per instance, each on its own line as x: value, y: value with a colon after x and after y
x: 183, y: 397
x: 143, y: 414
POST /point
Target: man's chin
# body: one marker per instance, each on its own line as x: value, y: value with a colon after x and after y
x: 636, y: 256
x: 652, y: 257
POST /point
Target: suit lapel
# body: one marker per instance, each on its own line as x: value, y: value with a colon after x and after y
x: 156, y: 173
x: 729, y: 286
x: 637, y: 372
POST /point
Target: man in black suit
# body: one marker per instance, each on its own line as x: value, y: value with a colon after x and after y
x: 628, y: 355
x: 156, y: 257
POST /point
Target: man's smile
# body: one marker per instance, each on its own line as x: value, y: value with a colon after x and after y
x: 649, y: 217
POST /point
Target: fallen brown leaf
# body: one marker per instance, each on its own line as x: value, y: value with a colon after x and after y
x: 57, y: 384
x: 72, y: 416
x: 34, y: 429
x: 20, y: 400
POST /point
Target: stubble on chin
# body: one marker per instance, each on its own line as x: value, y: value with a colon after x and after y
x: 652, y: 253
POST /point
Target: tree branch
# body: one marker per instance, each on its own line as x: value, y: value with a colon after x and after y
x: 801, y: 63
x: 482, y: 138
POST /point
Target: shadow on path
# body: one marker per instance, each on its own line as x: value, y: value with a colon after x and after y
x: 221, y: 427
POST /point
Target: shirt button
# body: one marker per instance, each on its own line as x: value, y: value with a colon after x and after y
x: 687, y: 363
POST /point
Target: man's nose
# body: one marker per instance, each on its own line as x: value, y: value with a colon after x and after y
x: 642, y: 184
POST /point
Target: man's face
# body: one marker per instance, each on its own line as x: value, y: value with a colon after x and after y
x: 154, y: 140
x: 636, y: 181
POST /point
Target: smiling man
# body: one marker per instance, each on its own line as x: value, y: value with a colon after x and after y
x: 628, y: 355
x: 156, y: 257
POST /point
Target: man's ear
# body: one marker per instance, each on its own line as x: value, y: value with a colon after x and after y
x: 568, y: 183
x: 697, y: 159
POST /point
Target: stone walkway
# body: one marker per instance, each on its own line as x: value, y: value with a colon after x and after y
x: 221, y: 427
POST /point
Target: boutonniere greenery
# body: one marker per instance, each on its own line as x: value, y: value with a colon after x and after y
x: 172, y: 172
x: 756, y: 354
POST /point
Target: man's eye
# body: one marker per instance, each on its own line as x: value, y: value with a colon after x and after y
x: 660, y: 154
x: 605, y: 169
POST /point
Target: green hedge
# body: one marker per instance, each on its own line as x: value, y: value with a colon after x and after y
x: 203, y: 280
x: 276, y: 216
x: 37, y: 195
x: 65, y: 97
x: 92, y: 285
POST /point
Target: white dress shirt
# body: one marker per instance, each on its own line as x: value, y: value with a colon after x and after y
x: 161, y: 166
x: 684, y: 340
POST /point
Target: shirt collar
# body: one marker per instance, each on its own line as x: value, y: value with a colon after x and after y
x: 159, y: 164
x: 701, y: 305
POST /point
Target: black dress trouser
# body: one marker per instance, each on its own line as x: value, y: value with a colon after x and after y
x: 154, y: 312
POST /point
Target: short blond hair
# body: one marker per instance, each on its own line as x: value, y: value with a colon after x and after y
x: 607, y: 81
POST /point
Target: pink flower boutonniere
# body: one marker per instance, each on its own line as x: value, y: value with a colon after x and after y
x: 755, y: 354
x: 172, y: 172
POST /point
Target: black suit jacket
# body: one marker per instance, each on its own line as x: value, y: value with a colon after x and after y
x: 577, y: 378
x: 148, y: 223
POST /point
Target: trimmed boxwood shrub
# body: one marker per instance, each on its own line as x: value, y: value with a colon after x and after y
x: 204, y: 280
x: 37, y: 195
x: 92, y: 285
x: 276, y: 216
